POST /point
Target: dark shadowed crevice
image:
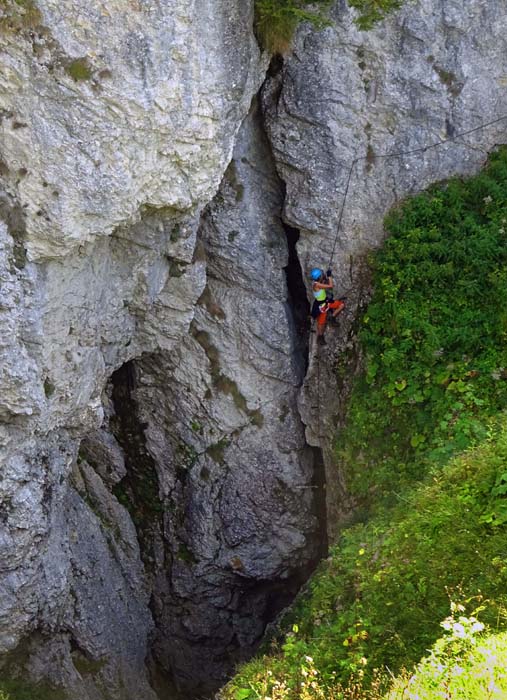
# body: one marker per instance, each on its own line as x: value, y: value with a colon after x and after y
x: 300, y: 310
x: 138, y: 491
x: 12, y: 214
x: 297, y: 298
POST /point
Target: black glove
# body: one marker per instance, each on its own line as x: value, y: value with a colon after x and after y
x: 329, y: 272
x: 343, y: 299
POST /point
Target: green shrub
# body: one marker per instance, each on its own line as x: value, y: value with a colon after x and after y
x: 434, y: 334
x: 425, y: 442
x: 276, y: 21
x: 372, y: 11
x: 465, y: 664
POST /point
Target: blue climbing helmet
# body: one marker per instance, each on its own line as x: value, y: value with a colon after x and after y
x: 316, y: 274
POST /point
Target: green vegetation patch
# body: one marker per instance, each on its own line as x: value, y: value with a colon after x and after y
x: 277, y: 20
x: 373, y: 11
x: 185, y: 554
x: 20, y: 690
x: 86, y: 666
x: 216, y: 450
x: 434, y: 335
x: 378, y: 598
x: 79, y: 69
x: 424, y: 449
x: 465, y: 664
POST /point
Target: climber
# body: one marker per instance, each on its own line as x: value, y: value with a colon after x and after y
x: 322, y: 288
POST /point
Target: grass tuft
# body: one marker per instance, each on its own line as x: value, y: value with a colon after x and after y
x: 373, y: 11
x: 276, y: 21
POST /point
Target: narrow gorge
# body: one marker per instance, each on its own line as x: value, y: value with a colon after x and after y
x: 167, y: 423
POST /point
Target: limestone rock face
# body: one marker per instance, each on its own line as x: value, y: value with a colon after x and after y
x: 116, y: 124
x: 432, y: 70
x: 159, y: 488
x: 234, y: 468
x: 110, y: 106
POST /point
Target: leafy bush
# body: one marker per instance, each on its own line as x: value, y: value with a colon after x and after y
x: 465, y: 664
x: 372, y: 11
x: 426, y: 442
x: 434, y: 334
x: 276, y: 21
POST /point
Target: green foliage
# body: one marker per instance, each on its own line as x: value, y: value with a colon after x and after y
x: 377, y: 599
x: 20, y: 690
x: 373, y: 11
x: 465, y: 664
x: 79, y: 69
x: 276, y: 21
x: 426, y: 442
x: 185, y: 554
x: 186, y: 455
x: 434, y: 334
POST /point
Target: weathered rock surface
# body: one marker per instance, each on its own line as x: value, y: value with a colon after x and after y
x: 157, y: 485
x: 110, y: 106
x: 430, y: 71
x: 116, y: 125
x: 233, y: 468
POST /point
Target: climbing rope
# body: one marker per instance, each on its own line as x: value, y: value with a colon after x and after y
x: 379, y: 156
x: 399, y: 154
